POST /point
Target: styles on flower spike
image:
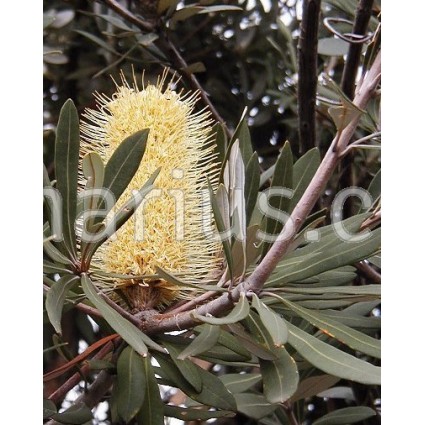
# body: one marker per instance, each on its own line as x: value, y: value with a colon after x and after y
x: 169, y: 227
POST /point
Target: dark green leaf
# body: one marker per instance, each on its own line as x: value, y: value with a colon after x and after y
x: 252, y: 185
x: 375, y: 186
x: 274, y: 324
x: 94, y: 172
x: 131, y: 381
x: 152, y: 411
x: 67, y: 149
x: 312, y: 386
x: 282, y: 178
x: 348, y: 415
x: 186, y: 367
x: 252, y: 251
x: 220, y: 142
x: 238, y: 382
x: 127, y: 330
x: 332, y: 360
x: 220, y: 224
x: 280, y: 376
x: 304, y: 170
x: 227, y: 340
x: 254, y: 406
x: 343, y: 253
x: 56, y: 297
x: 98, y: 41
x: 243, y: 135
x: 239, y: 312
x: 207, y: 339
x: 124, y: 162
x: 49, y: 408
x: 195, y: 414
x: 77, y: 414
x: 213, y: 393
x: 50, y: 249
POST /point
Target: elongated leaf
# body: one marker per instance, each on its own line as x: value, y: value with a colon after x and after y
x: 77, y: 414
x: 267, y: 175
x: 282, y: 178
x: 254, y: 406
x: 274, y: 324
x: 49, y: 408
x: 131, y: 381
x: 312, y: 386
x: 243, y: 135
x: 343, y: 253
x: 50, y: 268
x: 235, y: 169
x: 152, y: 411
x: 352, y: 290
x: 56, y: 297
x: 132, y: 335
x: 253, y: 344
x: 303, y: 172
x: 94, y: 172
x: 331, y: 360
x: 97, y: 40
x: 213, y: 393
x: 230, y: 145
x: 226, y: 339
x: 50, y: 249
x: 186, y: 367
x: 124, y: 162
x: 174, y: 280
x: 238, y: 382
x: 239, y: 312
x: 204, y: 341
x: 348, y: 415
x: 67, y: 147
x: 252, y: 185
x: 195, y: 414
x: 252, y: 251
x: 219, y: 222
x: 354, y: 339
x: 280, y: 376
x: 220, y: 142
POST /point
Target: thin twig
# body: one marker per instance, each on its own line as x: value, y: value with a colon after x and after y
x: 58, y: 395
x: 181, y: 65
x: 307, y: 74
x: 126, y: 14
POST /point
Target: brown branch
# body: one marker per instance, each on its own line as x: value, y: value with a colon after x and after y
x: 307, y: 74
x: 181, y: 65
x: 368, y: 271
x: 58, y: 395
x: 255, y: 282
x: 126, y: 14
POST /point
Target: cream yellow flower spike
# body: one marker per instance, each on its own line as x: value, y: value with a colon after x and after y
x: 167, y: 236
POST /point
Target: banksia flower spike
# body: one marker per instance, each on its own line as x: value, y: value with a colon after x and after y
x: 169, y: 230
